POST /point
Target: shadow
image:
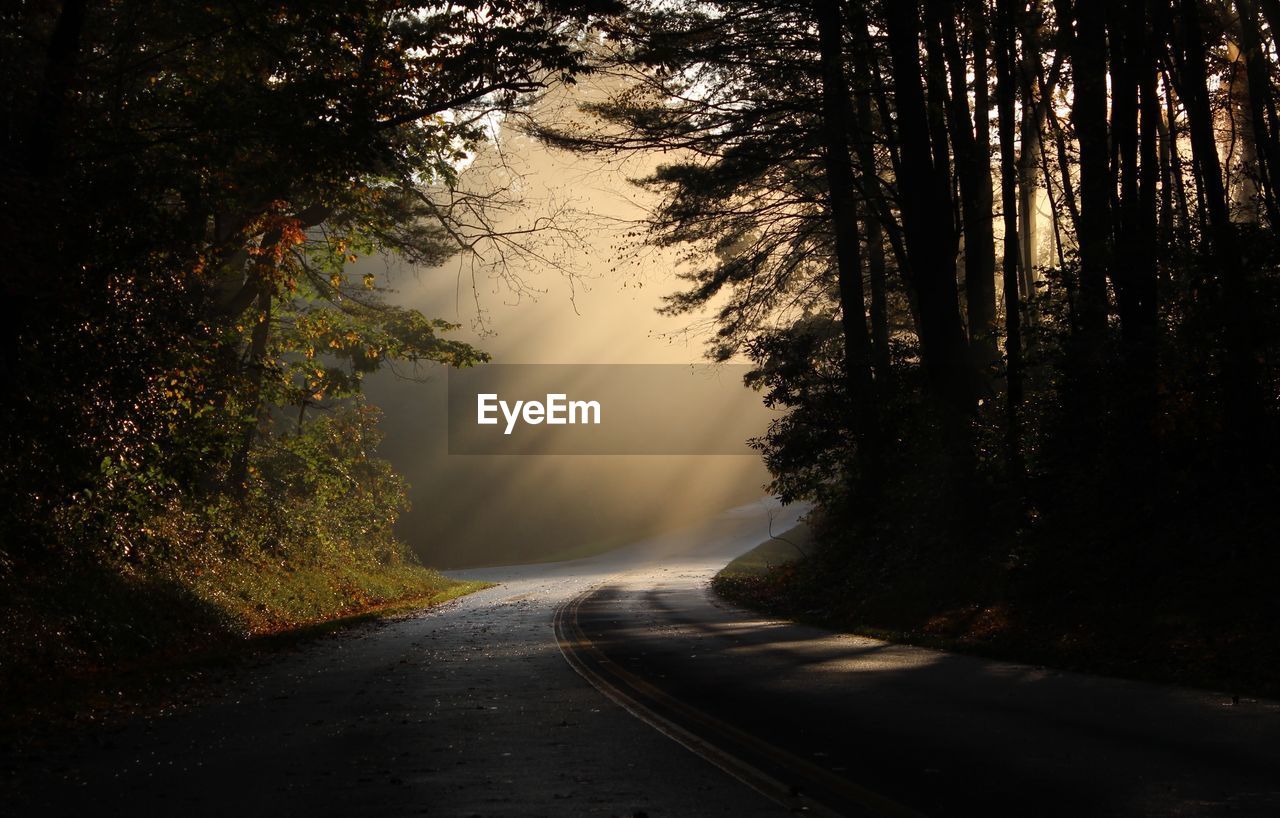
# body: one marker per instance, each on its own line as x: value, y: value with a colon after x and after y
x: 946, y: 734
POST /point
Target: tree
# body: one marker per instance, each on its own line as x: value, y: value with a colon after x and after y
x: 929, y: 229
x: 184, y: 185
x: 837, y: 108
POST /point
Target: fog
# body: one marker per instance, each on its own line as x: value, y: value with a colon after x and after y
x: 587, y: 296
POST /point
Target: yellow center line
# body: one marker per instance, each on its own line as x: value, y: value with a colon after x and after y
x: 591, y: 663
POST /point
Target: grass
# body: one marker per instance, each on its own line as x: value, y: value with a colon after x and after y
x: 782, y: 549
x: 81, y: 646
x: 1197, y: 636
x: 265, y: 599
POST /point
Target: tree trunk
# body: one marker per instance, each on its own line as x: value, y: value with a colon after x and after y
x: 1243, y: 167
x: 1028, y: 157
x: 45, y: 133
x: 1146, y: 269
x: 973, y: 168
x: 1089, y: 114
x: 1262, y: 108
x: 1241, y: 377
x: 836, y: 108
x: 237, y: 475
x: 1176, y: 169
x: 1005, y: 89
x: 1132, y: 78
x: 928, y: 218
x: 879, y: 298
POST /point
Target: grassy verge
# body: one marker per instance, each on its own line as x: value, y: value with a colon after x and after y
x: 81, y: 646
x: 784, y: 549
x: 265, y: 599
x: 1197, y: 637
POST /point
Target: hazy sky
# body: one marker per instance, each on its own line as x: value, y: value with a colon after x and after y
x: 486, y: 509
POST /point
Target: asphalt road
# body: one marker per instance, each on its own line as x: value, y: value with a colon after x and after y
x: 468, y: 709
x: 868, y: 727
x: 472, y: 709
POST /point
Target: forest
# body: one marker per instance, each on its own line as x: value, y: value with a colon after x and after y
x: 1009, y: 270
x: 1006, y: 270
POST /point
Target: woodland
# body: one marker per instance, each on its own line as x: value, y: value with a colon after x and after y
x: 1007, y: 270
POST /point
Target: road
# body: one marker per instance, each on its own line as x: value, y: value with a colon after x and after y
x: 472, y: 709
x: 467, y: 709
x: 867, y: 727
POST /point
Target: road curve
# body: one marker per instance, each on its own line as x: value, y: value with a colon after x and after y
x: 467, y: 709
x: 863, y: 726
x: 471, y: 710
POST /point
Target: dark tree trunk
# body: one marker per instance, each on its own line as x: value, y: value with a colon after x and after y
x: 869, y: 85
x: 1132, y: 91
x: 1262, y: 107
x: 1033, y: 113
x: 1069, y: 198
x: 929, y: 228
x: 237, y: 475
x: 1176, y: 170
x: 1168, y: 227
x: 881, y: 224
x: 836, y: 108
x: 879, y: 298
x: 1124, y: 161
x: 877, y: 214
x: 1089, y: 114
x: 1005, y: 90
x: 972, y: 141
x: 45, y: 133
x: 1149, y: 174
x: 1241, y: 377
x: 1055, y: 207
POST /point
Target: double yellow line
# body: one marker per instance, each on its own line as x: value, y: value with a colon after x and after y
x: 713, y: 736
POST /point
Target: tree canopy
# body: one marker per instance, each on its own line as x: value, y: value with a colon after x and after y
x: 185, y: 187
x: 1008, y: 267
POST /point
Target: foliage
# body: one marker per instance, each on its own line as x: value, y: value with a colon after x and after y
x: 311, y: 540
x: 316, y: 497
x: 799, y: 372
x: 1108, y: 426
x: 185, y: 190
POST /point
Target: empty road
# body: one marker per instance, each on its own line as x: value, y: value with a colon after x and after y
x: 472, y: 709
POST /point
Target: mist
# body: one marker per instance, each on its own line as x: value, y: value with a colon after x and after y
x: 586, y: 293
